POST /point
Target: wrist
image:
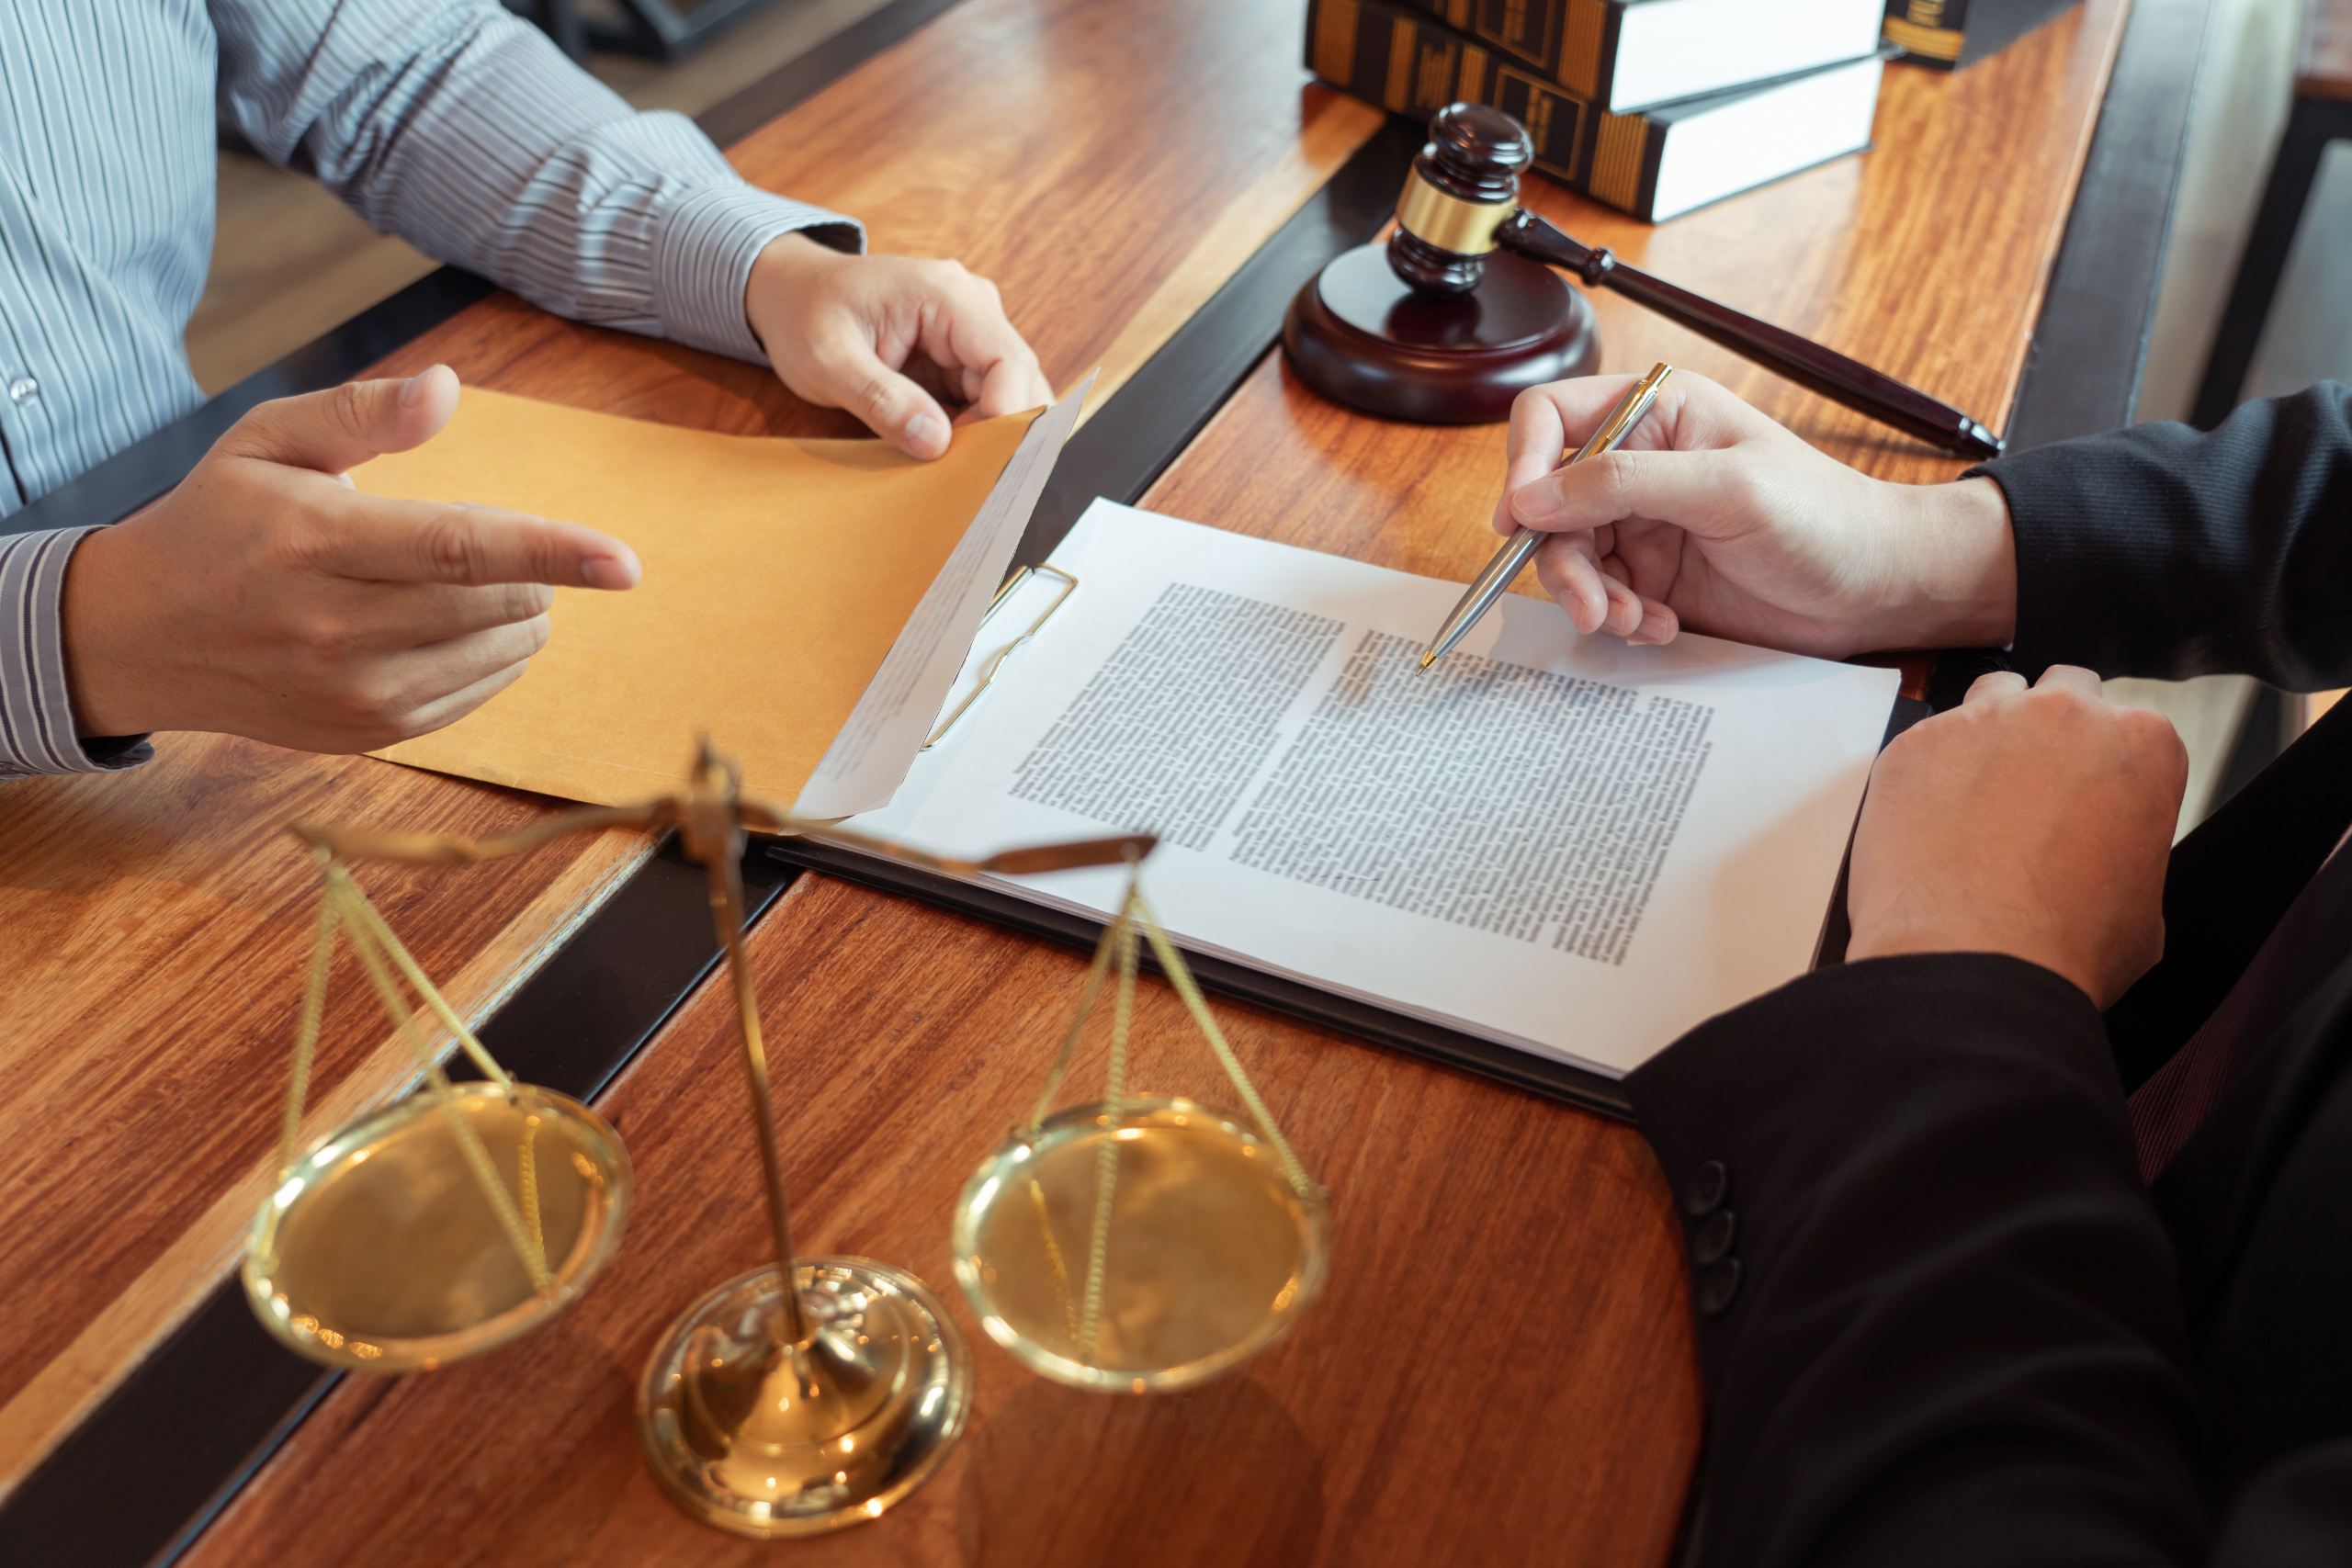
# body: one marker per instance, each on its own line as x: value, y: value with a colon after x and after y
x: 104, y: 700
x: 1959, y: 582
x: 1901, y: 939
x: 781, y: 273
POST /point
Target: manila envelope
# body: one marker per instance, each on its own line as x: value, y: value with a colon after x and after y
x: 777, y: 575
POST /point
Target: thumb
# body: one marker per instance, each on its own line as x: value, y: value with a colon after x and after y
x: 344, y: 426
x: 892, y: 406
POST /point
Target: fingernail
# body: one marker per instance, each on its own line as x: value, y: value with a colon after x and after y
x: 925, y: 432
x: 603, y: 571
x: 1535, y: 502
x: 414, y: 387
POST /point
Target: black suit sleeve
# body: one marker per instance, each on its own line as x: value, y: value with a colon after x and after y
x: 1953, y: 1332
x: 2163, y: 552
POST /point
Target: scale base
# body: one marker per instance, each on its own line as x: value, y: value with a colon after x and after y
x: 1357, y: 334
x: 767, y: 1439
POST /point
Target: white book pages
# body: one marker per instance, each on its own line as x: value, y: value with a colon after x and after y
x: 1671, y: 50
x: 863, y: 767
x: 1564, y: 844
x: 1724, y: 146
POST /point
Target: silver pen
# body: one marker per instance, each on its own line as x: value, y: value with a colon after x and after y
x: 1490, y: 583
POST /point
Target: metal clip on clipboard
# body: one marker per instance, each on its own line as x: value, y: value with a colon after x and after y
x: 996, y: 660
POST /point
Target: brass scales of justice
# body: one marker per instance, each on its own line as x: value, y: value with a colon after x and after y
x: 1127, y: 1244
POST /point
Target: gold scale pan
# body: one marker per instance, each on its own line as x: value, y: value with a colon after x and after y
x: 764, y: 1411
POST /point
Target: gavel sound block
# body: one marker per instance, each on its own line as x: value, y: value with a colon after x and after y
x: 1461, y: 311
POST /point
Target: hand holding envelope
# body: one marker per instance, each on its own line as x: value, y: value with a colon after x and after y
x: 801, y: 600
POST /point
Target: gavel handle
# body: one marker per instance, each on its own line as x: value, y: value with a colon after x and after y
x: 1806, y: 363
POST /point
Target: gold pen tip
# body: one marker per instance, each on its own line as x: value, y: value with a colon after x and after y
x: 1428, y: 659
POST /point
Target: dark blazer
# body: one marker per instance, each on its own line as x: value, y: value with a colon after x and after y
x: 1945, y: 1322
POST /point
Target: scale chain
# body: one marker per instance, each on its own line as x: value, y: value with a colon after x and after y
x: 1121, y: 943
x: 1106, y: 1162
x: 1180, y: 974
x: 342, y: 903
x: 306, y: 1039
x: 529, y: 1248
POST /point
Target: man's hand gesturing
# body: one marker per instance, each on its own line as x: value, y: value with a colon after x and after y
x: 2032, y: 822
x: 267, y: 597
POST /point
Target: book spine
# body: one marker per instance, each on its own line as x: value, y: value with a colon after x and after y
x: 1410, y: 63
x: 1567, y: 41
x: 1621, y: 171
x: 1589, y: 49
x: 1931, y: 32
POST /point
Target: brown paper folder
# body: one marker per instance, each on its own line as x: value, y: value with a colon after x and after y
x: 777, y: 575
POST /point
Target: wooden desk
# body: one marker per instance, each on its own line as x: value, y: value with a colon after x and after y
x: 1147, y: 151
x: 155, y: 924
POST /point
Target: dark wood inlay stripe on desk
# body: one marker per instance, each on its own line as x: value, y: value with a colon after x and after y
x: 791, y: 84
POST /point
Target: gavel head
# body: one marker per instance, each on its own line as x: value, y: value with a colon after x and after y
x: 1462, y: 187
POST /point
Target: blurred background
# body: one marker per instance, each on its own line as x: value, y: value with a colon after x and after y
x: 2245, y: 86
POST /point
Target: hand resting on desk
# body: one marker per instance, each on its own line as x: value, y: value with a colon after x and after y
x: 265, y: 597
x: 2034, y: 823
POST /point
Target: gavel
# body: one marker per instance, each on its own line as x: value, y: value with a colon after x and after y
x: 1447, y: 324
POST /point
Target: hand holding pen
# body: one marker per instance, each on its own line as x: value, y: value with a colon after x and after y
x: 1513, y: 557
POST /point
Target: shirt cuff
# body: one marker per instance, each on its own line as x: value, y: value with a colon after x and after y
x: 702, y: 262
x: 35, y: 710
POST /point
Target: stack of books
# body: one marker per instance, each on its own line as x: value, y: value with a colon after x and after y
x: 1652, y: 106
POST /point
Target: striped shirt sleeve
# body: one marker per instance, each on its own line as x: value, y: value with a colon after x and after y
x: 449, y: 122
x: 465, y: 131
x: 36, y: 709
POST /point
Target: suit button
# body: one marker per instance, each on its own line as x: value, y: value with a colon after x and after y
x: 1705, y: 1192
x: 1717, y: 1283
x: 1713, y: 1237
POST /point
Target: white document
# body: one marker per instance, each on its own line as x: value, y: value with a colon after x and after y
x: 1560, y: 843
x: 866, y: 761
